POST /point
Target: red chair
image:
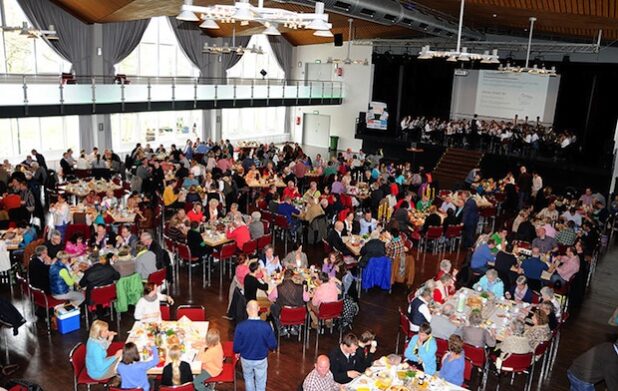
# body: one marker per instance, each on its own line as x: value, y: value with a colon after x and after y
x: 124, y: 389
x: 442, y: 348
x: 327, y: 247
x: 467, y: 373
x: 225, y: 254
x: 72, y: 229
x: 454, y: 235
x: 166, y: 311
x: 264, y: 241
x: 404, y: 328
x: 478, y: 357
x: 328, y: 311
x: 541, y: 354
x: 46, y: 302
x: 105, y: 296
x: 433, y: 236
x: 488, y: 215
x: 293, y: 316
x: 517, y: 364
x: 266, y: 215
x: 250, y: 248
x: 196, y: 313
x: 77, y: 356
x: 266, y: 225
x: 282, y: 226
x: 182, y: 387
x: 158, y: 277
x: 228, y: 375
x: 184, y: 253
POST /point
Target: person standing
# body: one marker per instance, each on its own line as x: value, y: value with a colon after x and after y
x: 600, y: 363
x: 470, y: 219
x: 253, y: 339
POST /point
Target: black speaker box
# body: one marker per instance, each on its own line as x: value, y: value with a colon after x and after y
x: 338, y: 39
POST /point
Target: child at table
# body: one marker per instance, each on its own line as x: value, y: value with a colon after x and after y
x: 177, y: 372
x: 148, y: 308
x: 212, y: 360
x: 133, y: 372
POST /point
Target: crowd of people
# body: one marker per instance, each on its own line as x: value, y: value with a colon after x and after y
x: 517, y: 136
x: 213, y: 186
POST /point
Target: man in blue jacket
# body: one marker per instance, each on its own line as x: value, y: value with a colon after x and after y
x: 253, y: 339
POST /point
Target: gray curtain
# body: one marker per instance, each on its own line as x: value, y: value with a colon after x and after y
x: 119, y: 40
x: 75, y: 43
x: 283, y: 51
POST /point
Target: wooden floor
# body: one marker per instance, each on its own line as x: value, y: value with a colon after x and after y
x: 44, y: 359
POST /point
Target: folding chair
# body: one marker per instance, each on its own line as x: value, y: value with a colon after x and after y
x: 293, y: 316
x: 196, y: 313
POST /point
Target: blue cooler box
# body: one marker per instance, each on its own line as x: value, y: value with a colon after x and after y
x: 67, y: 321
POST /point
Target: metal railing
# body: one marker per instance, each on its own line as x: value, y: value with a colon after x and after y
x: 31, y: 90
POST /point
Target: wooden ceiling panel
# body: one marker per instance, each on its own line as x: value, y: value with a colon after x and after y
x: 564, y: 18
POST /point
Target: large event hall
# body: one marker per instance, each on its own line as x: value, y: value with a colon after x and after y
x: 298, y: 195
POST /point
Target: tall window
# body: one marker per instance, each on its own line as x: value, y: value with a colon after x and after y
x: 255, y: 122
x: 49, y: 135
x: 20, y: 54
x: 158, y: 54
x: 163, y: 127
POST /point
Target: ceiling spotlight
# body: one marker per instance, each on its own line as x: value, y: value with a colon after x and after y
x: 319, y: 23
x: 209, y: 24
x: 243, y: 11
x: 187, y: 15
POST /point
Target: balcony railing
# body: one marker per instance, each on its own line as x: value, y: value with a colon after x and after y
x: 30, y: 91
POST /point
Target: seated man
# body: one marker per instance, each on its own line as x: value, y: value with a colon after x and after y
x: 343, y: 360
x: 481, y: 257
x: 296, y: 258
x: 566, y: 266
x: 335, y: 240
x: 441, y: 325
x: 418, y: 310
x: 38, y: 269
x: 491, y: 283
x: 533, y: 267
x: 256, y: 227
x: 543, y: 242
x: 321, y: 378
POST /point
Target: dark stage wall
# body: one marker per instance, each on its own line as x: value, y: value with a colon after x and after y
x: 586, y: 99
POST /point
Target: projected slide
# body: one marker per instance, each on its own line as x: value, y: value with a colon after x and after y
x: 502, y: 94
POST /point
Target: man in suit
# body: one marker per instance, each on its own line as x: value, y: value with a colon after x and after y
x: 335, y: 240
x: 126, y: 238
x: 39, y: 158
x: 470, y: 220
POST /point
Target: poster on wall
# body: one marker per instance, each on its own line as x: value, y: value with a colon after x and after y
x: 377, y: 116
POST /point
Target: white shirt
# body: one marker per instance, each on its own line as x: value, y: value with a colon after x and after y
x: 82, y: 163
x: 61, y: 214
x: 149, y: 311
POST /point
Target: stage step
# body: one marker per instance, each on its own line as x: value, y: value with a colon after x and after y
x: 454, y: 166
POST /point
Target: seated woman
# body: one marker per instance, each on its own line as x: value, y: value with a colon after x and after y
x: 515, y: 342
x: 433, y: 219
x: 491, y: 283
x: 549, y: 309
x: 148, y: 307
x: 521, y: 291
x: 365, y: 354
x: 99, y: 366
x: 193, y: 196
x: 92, y: 199
x: 444, y: 286
x: 539, y: 332
x: 446, y: 267
x: 76, y: 246
x: 109, y: 201
x: 132, y: 371
x: 453, y: 362
x: 211, y: 357
x: 421, y: 350
x: 475, y: 335
x: 331, y: 263
x: 177, y: 372
x: 196, y: 213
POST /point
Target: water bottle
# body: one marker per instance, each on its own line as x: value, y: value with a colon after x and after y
x: 461, y: 303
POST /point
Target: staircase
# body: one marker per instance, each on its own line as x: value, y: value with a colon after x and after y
x: 454, y: 165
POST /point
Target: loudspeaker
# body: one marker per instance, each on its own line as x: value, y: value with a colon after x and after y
x: 338, y: 39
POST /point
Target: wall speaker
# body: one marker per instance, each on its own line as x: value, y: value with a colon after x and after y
x: 338, y: 39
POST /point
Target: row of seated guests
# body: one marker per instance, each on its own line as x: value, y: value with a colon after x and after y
x: 128, y: 371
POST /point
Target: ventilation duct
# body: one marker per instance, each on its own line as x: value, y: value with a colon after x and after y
x: 393, y: 13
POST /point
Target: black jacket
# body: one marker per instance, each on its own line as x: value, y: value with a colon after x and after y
x: 364, y: 358
x: 98, y: 275
x: 186, y: 375
x: 38, y: 274
x: 194, y: 241
x: 340, y: 365
x: 433, y: 220
x: 163, y: 259
x: 374, y: 248
x: 336, y: 242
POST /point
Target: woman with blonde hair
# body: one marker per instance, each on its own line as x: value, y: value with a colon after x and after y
x: 211, y: 359
x: 177, y: 372
x: 99, y: 366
